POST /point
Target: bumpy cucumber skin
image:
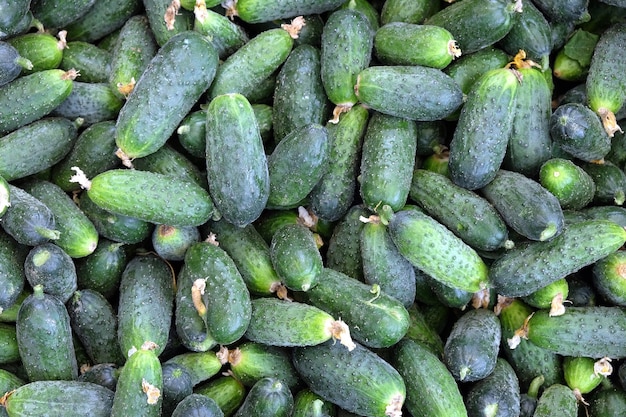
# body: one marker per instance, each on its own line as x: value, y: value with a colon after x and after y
x: 387, y: 160
x: 169, y: 161
x: 13, y: 12
x: 530, y: 32
x: 521, y: 271
x: 570, y: 11
x: 413, y: 92
x: 91, y: 102
x: 156, y: 11
x: 608, y: 278
x: 146, y: 195
x: 255, y: 11
x: 102, y: 270
x: 610, y: 182
x: 227, y: 36
x: 197, y: 403
x: 57, y: 14
x: 226, y: 391
x: 500, y: 391
x: 464, y: 212
x: 358, y: 381
x: 572, y: 186
x: 607, y: 402
x: 557, y: 400
x: 62, y: 398
x: 36, y: 147
x: 431, y: 388
x: 12, y: 276
x: 28, y: 220
x: 93, y: 63
x: 468, y: 68
x: 485, y: 123
x: 434, y: 249
x: 47, y: 264
x: 237, y: 168
x: 102, y: 19
x: 268, y: 396
x: 200, y: 365
x: 165, y: 93
x: 308, y: 403
x: 295, y: 257
x: 42, y: 50
x: 408, y: 11
x: 253, y: 361
x: 344, y: 246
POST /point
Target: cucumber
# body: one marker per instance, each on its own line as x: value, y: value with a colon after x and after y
x: 268, y: 396
x: 139, y: 194
x: 424, y: 374
x: 574, y: 11
x: 28, y: 220
x: 466, y: 213
x: 225, y: 35
x: 93, y: 63
x: 226, y: 391
x: 197, y: 403
x: 498, y: 393
x: 367, y: 9
x: 9, y: 351
x: 530, y: 32
x: 583, y: 375
x: 468, y: 68
x: 176, y: 386
x: 167, y: 19
x: 62, y: 398
x: 610, y: 182
x: 200, y: 365
x: 526, y: 207
x: 14, y: 11
x: 551, y: 296
x: 344, y: 245
x: 91, y: 103
x: 167, y: 160
x: 608, y: 278
x: 296, y: 257
x: 36, y: 147
x: 43, y: 50
x: 255, y: 11
x: 9, y: 382
x: 44, y: 338
x: 102, y: 20
x: 5, y: 196
x: 572, y: 61
x: 12, y: 276
x: 309, y: 404
x: 50, y: 266
x: 145, y: 305
x: 171, y: 243
x: 358, y: 381
x: 408, y: 11
x: 438, y: 252
x: 422, y: 332
x: 57, y: 13
x: 607, y: 402
x: 12, y: 63
x: 479, y: 144
x: 557, y: 400
x: 387, y: 161
x: 191, y: 133
x: 159, y: 102
x: 233, y: 140
x: 571, y: 185
x: 409, y: 91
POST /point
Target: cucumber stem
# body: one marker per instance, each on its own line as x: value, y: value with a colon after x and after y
x: 556, y: 305
x: 609, y: 122
x: 535, y: 385
x: 80, y: 178
x: 152, y: 392
x: 548, y: 232
x: 170, y: 14
x: 48, y: 233
x: 481, y: 299
x: 230, y: 7
x: 342, y: 108
x: 453, y: 49
x: 619, y: 197
x: 394, y: 408
x: 62, y: 43
x: 197, y: 291
x: 294, y: 27
x: 340, y: 331
x: 24, y: 63
x: 223, y: 355
x: 200, y: 11
x: 126, y: 160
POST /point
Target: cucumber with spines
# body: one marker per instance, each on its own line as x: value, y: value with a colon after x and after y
x: 50, y: 266
x: 92, y: 63
x: 28, y: 220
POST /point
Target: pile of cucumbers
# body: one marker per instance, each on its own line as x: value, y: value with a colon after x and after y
x: 312, y: 208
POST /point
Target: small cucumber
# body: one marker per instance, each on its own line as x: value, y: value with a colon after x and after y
x: 468, y: 68
x: 43, y: 50
x: 530, y: 32
x: 408, y: 11
x: 167, y: 19
x: 50, y: 266
x: 90, y: 102
x: 268, y: 396
x: 102, y: 20
x: 197, y: 404
x: 309, y: 404
x: 571, y: 185
x: 226, y: 391
x: 58, y: 13
x: 176, y: 386
x: 583, y: 375
x: 610, y: 182
x: 607, y: 402
x: 344, y: 246
x: 296, y: 257
x: 93, y: 63
x: 255, y: 11
x: 557, y: 401
x: 171, y: 242
x: 497, y: 394
x: 28, y: 220
x: 200, y: 365
x: 225, y: 35
x: 608, y: 278
x: 572, y: 61
x: 552, y: 296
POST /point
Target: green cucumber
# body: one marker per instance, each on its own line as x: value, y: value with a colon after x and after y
x: 43, y: 50
x: 607, y: 402
x: 571, y: 185
x: 255, y: 11
x: 93, y: 63
x: 12, y: 63
x: 468, y: 68
x: 171, y: 242
x: 233, y: 140
x: 58, y: 13
x: 309, y: 404
x: 90, y: 102
x: 526, y: 207
x: 28, y: 220
x: 408, y: 11
x: 225, y: 35
x: 409, y: 91
x: 296, y: 257
x: 102, y: 19
x: 44, y: 338
x: 610, y: 182
x: 159, y: 102
x: 9, y: 382
x: 78, y: 236
x: 497, y: 394
x: 268, y: 396
x: 36, y: 147
x: 424, y: 375
x: 145, y: 305
x: 583, y: 375
x: 524, y: 270
x: 12, y: 276
x: 572, y: 61
x: 200, y: 365
x: 421, y: 332
x: 191, y: 133
x: 167, y: 160
x: 551, y: 296
x: 9, y: 351
x: 530, y: 32
x: 226, y: 391
x: 14, y: 11
x: 197, y: 403
x: 344, y: 246
x: 375, y: 319
x: 62, y: 398
x: 358, y: 381
x: 50, y: 266
x: 574, y: 11
x: 467, y: 214
x: 434, y: 249
x: 140, y: 194
x: 485, y: 123
x: 608, y: 278
x: 177, y: 385
x: 167, y: 19
x: 557, y: 400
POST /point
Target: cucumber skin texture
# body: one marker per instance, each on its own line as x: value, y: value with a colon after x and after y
x: 102, y: 270
x: 26, y: 216
x: 610, y: 182
x: 572, y: 186
x: 387, y: 161
x: 607, y: 402
x: 92, y: 102
x: 49, y: 265
x: 358, y: 381
x: 413, y: 92
x: 102, y: 19
x: 531, y: 32
x: 256, y: 360
x: 473, y: 345
x: 435, y: 250
x: 255, y: 11
x: 344, y: 246
x: 557, y: 400
x: 424, y: 375
x: 31, y: 97
x: 308, y: 403
x: 169, y: 161
x: 464, y: 212
x: 521, y: 271
x: 378, y: 323
x: 334, y: 194
x: 295, y: 256
x: 226, y: 297
x: 57, y: 14
x: 607, y: 278
x: 525, y: 205
x: 93, y: 63
x: 347, y: 43
x: 155, y: 10
x: 485, y: 123
x: 36, y: 147
x: 79, y: 236
x: 146, y: 195
x: 500, y: 390
x: 63, y: 398
x: 10, y: 67
x: 145, y: 307
x: 197, y: 403
x: 12, y: 276
x: 42, y: 49
x: 14, y: 11
x: 44, y: 338
x: 165, y: 93
x: 227, y: 36
x: 268, y: 396
x: 468, y: 68
x: 233, y: 141
x: 226, y: 391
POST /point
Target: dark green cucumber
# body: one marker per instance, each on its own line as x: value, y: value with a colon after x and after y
x: 57, y: 13
x: 43, y: 50
x: 36, y: 147
x: 50, y: 266
x: 159, y: 101
x: 13, y: 12
x: 530, y: 32
x: 468, y: 68
x: 485, y: 124
x: 526, y: 207
x: 171, y: 242
x: 347, y: 43
x: 552, y: 296
x: 177, y: 385
x: 91, y: 103
x: 375, y: 319
x: 467, y: 214
x: 9, y: 351
x: 434, y: 249
x: 309, y: 404
x: 28, y: 220
x: 226, y: 391
x: 167, y: 19
x: 12, y: 276
x: 296, y: 257
x: 102, y: 19
x: 255, y: 11
x: 12, y: 63
x: 218, y: 291
x: 169, y: 161
x: 607, y: 402
x: 63, y: 398
x: 574, y: 11
x: 191, y: 133
x: 139, y: 386
x: 423, y: 372
x: 197, y: 403
x: 94, y: 322
x: 78, y: 236
x: 296, y: 165
x: 268, y: 396
x: 471, y: 349
x: 225, y: 35
x: 610, y: 182
x: 422, y: 332
x: 557, y: 400
x: 299, y: 96
x: 477, y: 23
x: 145, y: 305
x: 358, y: 381
x: 152, y: 197
x: 608, y: 278
x: 133, y: 51
x: 408, y: 11
x: 93, y: 63
x: 200, y: 365
x: 344, y: 245
x: 409, y: 91
x: 387, y: 161
x: 497, y: 394
x: 233, y: 140
x: 524, y: 270
x: 43, y: 326
x: 9, y: 381
x: 21, y: 26
x: 334, y: 193
x: 571, y: 185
